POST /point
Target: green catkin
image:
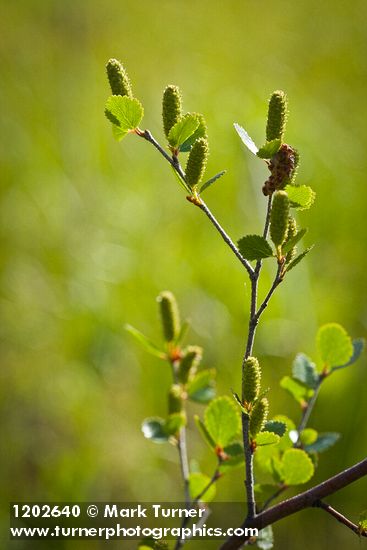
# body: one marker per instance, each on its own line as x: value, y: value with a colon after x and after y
x: 259, y: 416
x: 118, y: 79
x: 170, y: 316
x: 292, y: 230
x: 277, y: 116
x: 196, y: 163
x: 189, y: 363
x: 171, y: 107
x: 279, y: 218
x: 251, y: 377
x: 175, y: 399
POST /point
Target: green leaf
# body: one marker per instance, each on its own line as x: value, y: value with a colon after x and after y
x: 269, y: 149
x: 299, y: 391
x: 173, y: 423
x: 358, y: 347
x: 308, y: 436
x: 204, y: 432
x: 235, y: 458
x: 300, y: 257
x: 197, y: 483
x: 125, y: 112
x: 147, y: 344
x: 285, y: 442
x: 297, y: 466
x: 246, y: 138
x: 201, y: 387
x: 334, y: 345
x: 265, y: 540
x: 200, y: 132
x: 266, y: 438
x: 254, y: 247
x: 288, y: 245
x: 277, y: 469
x: 276, y: 427
x: 153, y: 428
x: 117, y: 133
x: 182, y: 130
x: 323, y: 442
x: 301, y: 197
x: 304, y: 370
x: 239, y: 402
x: 212, y: 180
x: 222, y: 420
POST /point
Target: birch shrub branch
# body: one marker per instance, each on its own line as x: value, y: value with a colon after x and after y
x: 276, y: 452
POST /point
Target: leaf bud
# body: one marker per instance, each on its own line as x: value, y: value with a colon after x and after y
x: 118, y: 78
x: 196, y: 163
x: 171, y: 107
x: 279, y: 218
x: 277, y: 116
x: 189, y: 363
x: 259, y: 415
x: 251, y: 377
x: 292, y: 231
x: 175, y: 399
x: 170, y: 316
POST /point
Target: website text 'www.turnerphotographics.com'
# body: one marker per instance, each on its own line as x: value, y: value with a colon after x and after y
x: 126, y: 521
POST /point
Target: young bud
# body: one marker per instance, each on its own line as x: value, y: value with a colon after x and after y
x: 279, y: 218
x: 189, y: 363
x: 170, y: 316
x: 118, y: 79
x: 277, y: 116
x: 175, y: 400
x: 251, y: 377
x: 292, y: 230
x: 196, y: 162
x: 171, y: 107
x: 259, y: 416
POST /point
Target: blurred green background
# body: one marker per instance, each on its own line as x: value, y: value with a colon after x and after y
x: 92, y: 230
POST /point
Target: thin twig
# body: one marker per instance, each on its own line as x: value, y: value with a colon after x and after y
x: 184, y: 463
x: 172, y: 160
x: 249, y: 467
x: 277, y: 280
x: 226, y: 237
x: 308, y: 410
x: 339, y: 517
x: 275, y: 495
x: 265, y: 232
x: 186, y: 520
x: 213, y: 480
x: 295, y: 504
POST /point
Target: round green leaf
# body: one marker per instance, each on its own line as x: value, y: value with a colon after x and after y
x: 125, y: 112
x: 297, y: 467
x: 254, y: 247
x: 266, y: 438
x: 334, y: 345
x: 222, y: 420
x: 300, y: 196
x: 323, y: 442
x: 197, y: 483
x: 308, y: 436
x: 154, y: 429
